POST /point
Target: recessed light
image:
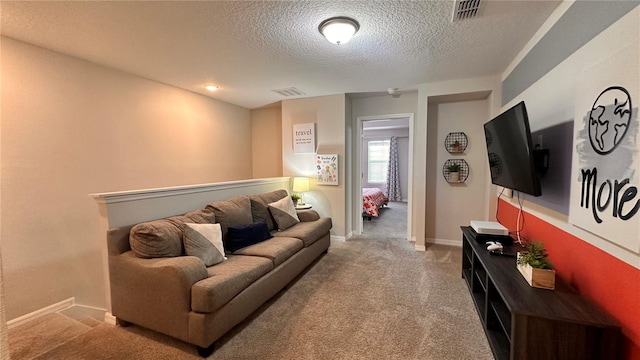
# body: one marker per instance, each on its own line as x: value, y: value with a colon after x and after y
x: 211, y: 87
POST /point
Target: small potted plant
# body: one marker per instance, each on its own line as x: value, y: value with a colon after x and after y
x: 535, y: 267
x: 295, y: 198
x: 454, y: 172
x: 456, y: 147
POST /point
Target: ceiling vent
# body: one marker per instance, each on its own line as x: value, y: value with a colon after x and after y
x: 466, y: 9
x: 291, y: 91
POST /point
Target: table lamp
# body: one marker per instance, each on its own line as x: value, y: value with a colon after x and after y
x: 300, y: 185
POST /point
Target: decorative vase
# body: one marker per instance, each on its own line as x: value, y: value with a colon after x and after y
x: 454, y: 177
x: 539, y: 278
x: 295, y: 202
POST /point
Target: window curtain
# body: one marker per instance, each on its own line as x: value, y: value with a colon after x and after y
x: 4, y: 341
x: 393, y: 174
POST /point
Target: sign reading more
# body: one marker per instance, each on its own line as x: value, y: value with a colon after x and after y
x: 304, y: 138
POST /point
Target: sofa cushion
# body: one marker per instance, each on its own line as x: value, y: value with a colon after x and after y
x: 284, y: 213
x: 204, y: 241
x: 163, y: 237
x: 153, y: 239
x: 226, y: 280
x: 244, y: 235
x: 309, y: 231
x: 201, y: 216
x: 259, y: 206
x: 236, y: 211
x: 278, y: 249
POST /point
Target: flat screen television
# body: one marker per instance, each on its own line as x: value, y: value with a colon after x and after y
x: 510, y: 151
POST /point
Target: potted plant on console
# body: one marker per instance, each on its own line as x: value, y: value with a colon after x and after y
x: 535, y: 267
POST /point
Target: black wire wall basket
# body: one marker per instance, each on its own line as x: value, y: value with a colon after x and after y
x: 459, y: 176
x: 456, y: 142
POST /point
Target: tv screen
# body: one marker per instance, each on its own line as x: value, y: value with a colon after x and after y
x: 510, y: 153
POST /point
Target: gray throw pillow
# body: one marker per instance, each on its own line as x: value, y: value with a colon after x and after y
x: 284, y: 212
x: 205, y: 242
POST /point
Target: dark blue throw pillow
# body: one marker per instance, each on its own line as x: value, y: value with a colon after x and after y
x: 244, y: 235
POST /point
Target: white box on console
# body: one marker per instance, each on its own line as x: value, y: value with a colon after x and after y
x: 489, y: 228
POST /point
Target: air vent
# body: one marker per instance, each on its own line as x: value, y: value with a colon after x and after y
x: 465, y: 9
x: 291, y: 91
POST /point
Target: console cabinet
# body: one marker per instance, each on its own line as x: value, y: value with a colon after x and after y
x: 522, y: 322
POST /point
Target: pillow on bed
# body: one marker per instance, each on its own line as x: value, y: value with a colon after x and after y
x: 284, y: 213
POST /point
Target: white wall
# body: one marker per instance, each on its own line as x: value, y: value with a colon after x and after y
x: 426, y: 152
x: 266, y: 142
x: 328, y: 113
x: 551, y: 100
x: 71, y: 128
x: 451, y: 205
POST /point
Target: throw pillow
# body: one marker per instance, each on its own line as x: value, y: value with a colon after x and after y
x: 259, y: 206
x: 284, y: 213
x: 244, y: 235
x: 205, y: 242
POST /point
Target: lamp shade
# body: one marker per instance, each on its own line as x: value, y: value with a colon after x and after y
x: 300, y: 184
x: 339, y: 30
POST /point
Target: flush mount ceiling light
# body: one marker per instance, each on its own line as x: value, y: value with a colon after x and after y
x: 211, y: 87
x: 339, y: 30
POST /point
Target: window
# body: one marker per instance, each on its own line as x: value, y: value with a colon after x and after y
x: 378, y: 161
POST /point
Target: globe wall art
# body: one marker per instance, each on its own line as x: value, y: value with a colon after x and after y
x: 605, y: 183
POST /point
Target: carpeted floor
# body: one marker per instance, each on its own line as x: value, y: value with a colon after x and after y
x: 391, y: 222
x: 368, y: 298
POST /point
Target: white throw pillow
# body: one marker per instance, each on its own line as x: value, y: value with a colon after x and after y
x: 205, y: 242
x: 284, y: 213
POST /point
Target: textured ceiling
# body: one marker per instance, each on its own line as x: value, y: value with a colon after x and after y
x: 249, y: 48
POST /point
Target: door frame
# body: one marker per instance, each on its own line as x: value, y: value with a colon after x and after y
x: 357, y: 198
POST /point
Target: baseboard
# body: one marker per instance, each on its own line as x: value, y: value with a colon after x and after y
x: 62, y: 305
x: 457, y: 243
x: 420, y: 247
x: 109, y: 318
x: 66, y: 307
x: 338, y: 238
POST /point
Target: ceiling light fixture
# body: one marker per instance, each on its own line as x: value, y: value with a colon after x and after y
x: 211, y: 87
x: 338, y: 30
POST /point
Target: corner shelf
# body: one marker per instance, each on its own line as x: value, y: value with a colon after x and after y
x: 452, y: 138
x: 464, y: 170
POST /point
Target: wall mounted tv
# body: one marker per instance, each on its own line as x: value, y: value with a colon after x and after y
x: 510, y: 153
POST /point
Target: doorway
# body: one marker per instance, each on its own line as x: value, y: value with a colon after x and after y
x: 375, y: 129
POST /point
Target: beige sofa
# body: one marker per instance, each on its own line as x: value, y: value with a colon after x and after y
x: 155, y: 285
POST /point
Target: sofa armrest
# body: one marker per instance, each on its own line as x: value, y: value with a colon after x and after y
x: 308, y: 215
x: 155, y: 293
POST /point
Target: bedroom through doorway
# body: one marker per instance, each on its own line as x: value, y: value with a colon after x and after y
x: 384, y: 169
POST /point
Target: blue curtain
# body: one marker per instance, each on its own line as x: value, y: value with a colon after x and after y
x: 393, y: 174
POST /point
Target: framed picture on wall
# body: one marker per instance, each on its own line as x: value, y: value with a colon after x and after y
x: 304, y: 138
x: 327, y: 169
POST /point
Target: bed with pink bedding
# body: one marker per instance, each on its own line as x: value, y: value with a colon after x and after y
x: 372, y: 200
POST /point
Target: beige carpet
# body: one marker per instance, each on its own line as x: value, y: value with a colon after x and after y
x: 366, y: 299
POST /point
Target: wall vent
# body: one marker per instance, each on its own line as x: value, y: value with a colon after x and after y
x: 466, y: 9
x: 290, y: 91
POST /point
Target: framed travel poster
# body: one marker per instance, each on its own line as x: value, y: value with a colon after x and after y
x: 327, y: 169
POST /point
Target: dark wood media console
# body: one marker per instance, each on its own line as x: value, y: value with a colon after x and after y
x: 522, y: 322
